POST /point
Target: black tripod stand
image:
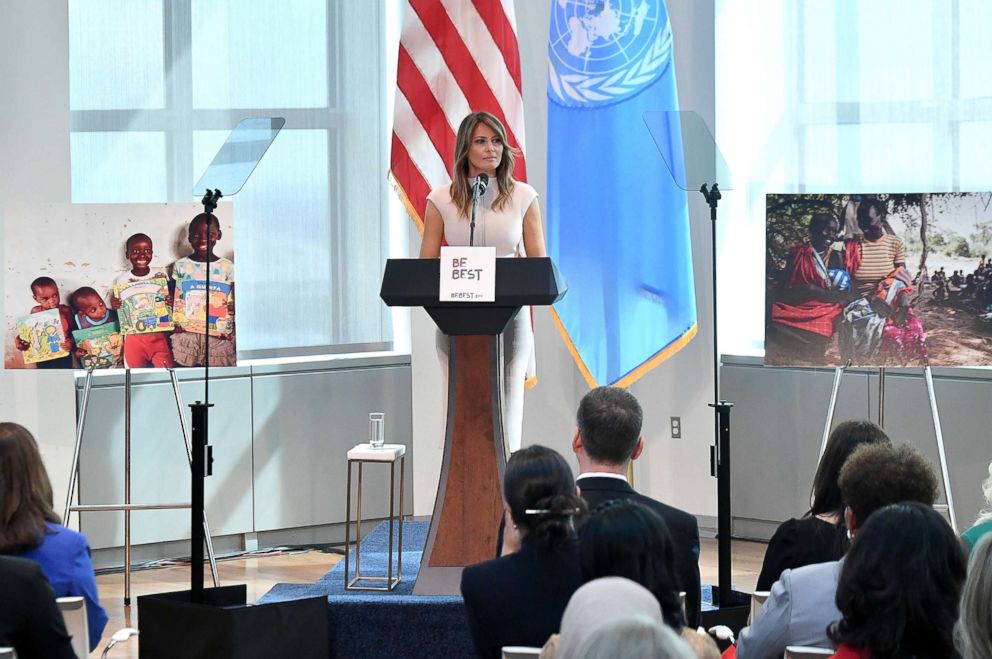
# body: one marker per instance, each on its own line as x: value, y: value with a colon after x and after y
x: 724, y: 596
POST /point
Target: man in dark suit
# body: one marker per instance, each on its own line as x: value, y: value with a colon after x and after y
x: 607, y: 438
x: 30, y: 620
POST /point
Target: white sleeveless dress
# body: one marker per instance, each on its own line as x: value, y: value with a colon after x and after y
x: 504, y: 230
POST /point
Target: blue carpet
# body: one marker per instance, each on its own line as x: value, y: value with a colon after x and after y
x: 387, y: 624
x: 396, y: 623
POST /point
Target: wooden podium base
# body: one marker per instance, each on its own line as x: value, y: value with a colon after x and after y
x: 469, y: 500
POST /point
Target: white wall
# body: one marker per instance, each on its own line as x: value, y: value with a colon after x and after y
x: 34, y: 166
x: 676, y: 471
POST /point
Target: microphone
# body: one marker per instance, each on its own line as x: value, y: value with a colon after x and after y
x: 479, y: 185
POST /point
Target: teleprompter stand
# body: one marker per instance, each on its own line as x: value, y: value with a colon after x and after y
x: 469, y: 505
x: 695, y: 163
x: 217, y: 622
x: 947, y: 508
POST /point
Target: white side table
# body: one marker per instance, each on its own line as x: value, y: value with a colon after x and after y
x: 363, y: 453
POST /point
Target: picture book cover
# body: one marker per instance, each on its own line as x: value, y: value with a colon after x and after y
x: 102, y: 345
x: 44, y: 335
x: 191, y: 301
x: 144, y: 306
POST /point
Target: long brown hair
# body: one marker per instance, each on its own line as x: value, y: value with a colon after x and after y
x: 461, y: 187
x: 25, y: 491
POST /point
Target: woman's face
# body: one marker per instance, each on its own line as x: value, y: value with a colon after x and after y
x: 823, y: 234
x: 873, y: 227
x: 485, y: 151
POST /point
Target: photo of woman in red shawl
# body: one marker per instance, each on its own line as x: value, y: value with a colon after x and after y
x: 811, y: 294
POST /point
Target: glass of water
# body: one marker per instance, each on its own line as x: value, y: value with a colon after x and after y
x: 377, y: 429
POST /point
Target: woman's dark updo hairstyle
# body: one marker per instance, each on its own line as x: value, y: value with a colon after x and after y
x: 825, y: 496
x: 622, y: 538
x: 539, y: 480
x: 899, y: 588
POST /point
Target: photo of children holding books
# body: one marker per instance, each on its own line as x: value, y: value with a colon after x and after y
x: 145, y: 313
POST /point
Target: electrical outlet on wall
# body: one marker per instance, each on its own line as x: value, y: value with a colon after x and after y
x: 676, y: 427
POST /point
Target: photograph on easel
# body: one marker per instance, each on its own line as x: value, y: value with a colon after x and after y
x: 104, y: 286
x: 878, y: 279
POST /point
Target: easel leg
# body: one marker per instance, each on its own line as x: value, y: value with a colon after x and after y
x: 189, y: 456
x: 127, y: 487
x: 928, y: 377
x: 79, y: 440
x: 881, y: 396
x: 838, y: 372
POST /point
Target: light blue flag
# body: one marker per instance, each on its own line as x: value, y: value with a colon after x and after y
x: 618, y: 226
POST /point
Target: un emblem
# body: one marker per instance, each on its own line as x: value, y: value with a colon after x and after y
x: 603, y: 51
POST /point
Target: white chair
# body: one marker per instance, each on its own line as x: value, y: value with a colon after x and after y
x: 807, y: 652
x: 7, y: 653
x: 74, y: 612
x: 520, y: 652
x: 758, y: 598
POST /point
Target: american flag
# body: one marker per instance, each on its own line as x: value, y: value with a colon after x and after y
x: 455, y: 57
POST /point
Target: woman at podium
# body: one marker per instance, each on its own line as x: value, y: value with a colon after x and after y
x: 507, y: 217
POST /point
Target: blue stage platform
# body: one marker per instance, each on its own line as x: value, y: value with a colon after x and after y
x: 387, y: 624
x: 396, y: 624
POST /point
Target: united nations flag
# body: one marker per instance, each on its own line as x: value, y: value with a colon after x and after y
x: 618, y: 226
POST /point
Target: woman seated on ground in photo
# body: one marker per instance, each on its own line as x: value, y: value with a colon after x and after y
x: 29, y: 527
x: 983, y: 525
x: 812, y: 292
x: 518, y: 599
x: 973, y: 631
x: 898, y: 590
x: 820, y: 535
x: 880, y: 326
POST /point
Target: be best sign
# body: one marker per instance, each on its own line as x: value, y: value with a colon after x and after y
x: 468, y: 274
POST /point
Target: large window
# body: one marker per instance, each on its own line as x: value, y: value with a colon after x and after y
x: 841, y: 96
x: 156, y: 85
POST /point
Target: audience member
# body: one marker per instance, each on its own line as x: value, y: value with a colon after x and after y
x: 607, y: 438
x: 898, y: 591
x: 801, y: 604
x: 30, y: 621
x: 518, y: 599
x: 636, y: 638
x: 973, y: 631
x: 622, y: 538
x: 820, y: 535
x: 983, y: 525
x: 595, y: 606
x: 29, y: 527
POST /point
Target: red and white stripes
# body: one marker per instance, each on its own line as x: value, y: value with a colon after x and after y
x: 455, y: 57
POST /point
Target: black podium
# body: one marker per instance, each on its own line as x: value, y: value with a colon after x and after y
x: 469, y: 504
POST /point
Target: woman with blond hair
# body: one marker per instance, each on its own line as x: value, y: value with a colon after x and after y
x: 973, y: 630
x: 983, y: 525
x: 29, y: 527
x: 507, y: 217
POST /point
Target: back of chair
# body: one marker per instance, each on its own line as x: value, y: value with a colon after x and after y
x: 520, y: 652
x: 74, y: 612
x: 7, y: 653
x: 758, y: 598
x: 807, y: 652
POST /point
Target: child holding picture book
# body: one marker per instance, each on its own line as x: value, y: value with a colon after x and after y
x: 142, y: 298
x: 46, y: 293
x: 203, y: 317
